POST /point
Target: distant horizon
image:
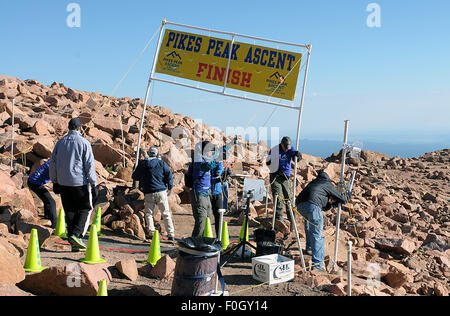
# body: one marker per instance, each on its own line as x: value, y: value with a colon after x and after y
x: 392, y: 143
x: 326, y: 148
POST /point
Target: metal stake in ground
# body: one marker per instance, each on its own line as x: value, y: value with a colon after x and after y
x: 12, y: 135
x: 274, y: 211
x: 296, y: 235
x: 341, y: 183
x: 349, y: 268
x: 216, y: 291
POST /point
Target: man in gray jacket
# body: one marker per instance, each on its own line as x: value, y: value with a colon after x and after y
x: 72, y: 171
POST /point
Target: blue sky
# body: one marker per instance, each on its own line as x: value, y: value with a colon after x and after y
x: 391, y: 82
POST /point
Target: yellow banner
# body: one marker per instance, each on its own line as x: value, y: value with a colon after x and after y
x: 255, y: 69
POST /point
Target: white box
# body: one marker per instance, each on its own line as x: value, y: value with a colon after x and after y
x: 273, y: 269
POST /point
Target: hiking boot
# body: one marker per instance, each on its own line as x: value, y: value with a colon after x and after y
x: 319, y: 269
x: 77, y: 243
x: 148, y: 233
x: 77, y: 249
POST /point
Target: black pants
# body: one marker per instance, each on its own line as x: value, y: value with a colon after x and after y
x: 49, y: 202
x: 216, y: 205
x: 78, y: 208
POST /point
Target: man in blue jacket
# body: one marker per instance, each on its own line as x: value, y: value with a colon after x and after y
x: 156, y: 182
x: 72, y: 171
x: 200, y: 172
x: 36, y: 183
x: 279, y: 163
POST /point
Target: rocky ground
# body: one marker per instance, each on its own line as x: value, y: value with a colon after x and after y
x: 398, y: 218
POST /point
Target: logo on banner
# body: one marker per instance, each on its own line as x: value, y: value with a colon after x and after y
x: 276, y: 83
x: 172, y: 62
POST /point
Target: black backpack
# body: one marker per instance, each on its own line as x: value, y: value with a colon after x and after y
x: 189, y: 177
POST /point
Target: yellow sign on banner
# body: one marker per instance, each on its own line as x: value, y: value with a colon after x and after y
x: 252, y: 68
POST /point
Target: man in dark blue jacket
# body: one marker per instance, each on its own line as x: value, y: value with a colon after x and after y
x: 156, y: 182
x: 279, y: 163
x: 36, y: 182
x: 200, y: 173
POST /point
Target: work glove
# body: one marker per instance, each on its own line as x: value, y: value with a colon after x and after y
x: 281, y: 173
x: 298, y: 155
x: 94, y: 192
x: 56, y: 188
x: 205, y: 167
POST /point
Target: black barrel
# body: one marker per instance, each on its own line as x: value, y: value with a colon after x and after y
x: 194, y: 275
x: 195, y: 271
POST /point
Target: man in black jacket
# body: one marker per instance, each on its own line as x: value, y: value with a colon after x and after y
x: 156, y: 182
x: 310, y: 203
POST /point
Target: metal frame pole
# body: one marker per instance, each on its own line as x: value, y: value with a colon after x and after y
x: 12, y: 136
x: 237, y: 194
x: 349, y: 268
x: 236, y: 34
x: 338, y: 218
x: 221, y: 212
x: 123, y: 144
x: 228, y: 65
x: 224, y: 94
x: 147, y: 93
x: 300, y: 114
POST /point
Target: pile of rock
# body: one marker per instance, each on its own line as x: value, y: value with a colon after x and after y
x: 398, y: 218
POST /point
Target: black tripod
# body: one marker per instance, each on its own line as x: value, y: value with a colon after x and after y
x: 244, y: 241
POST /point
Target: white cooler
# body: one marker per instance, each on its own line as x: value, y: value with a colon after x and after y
x: 273, y: 269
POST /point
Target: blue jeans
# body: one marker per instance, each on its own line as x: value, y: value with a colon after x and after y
x: 313, y: 229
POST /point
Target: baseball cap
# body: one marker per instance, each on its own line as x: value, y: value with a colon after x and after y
x: 153, y: 151
x: 286, y: 141
x: 75, y: 123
